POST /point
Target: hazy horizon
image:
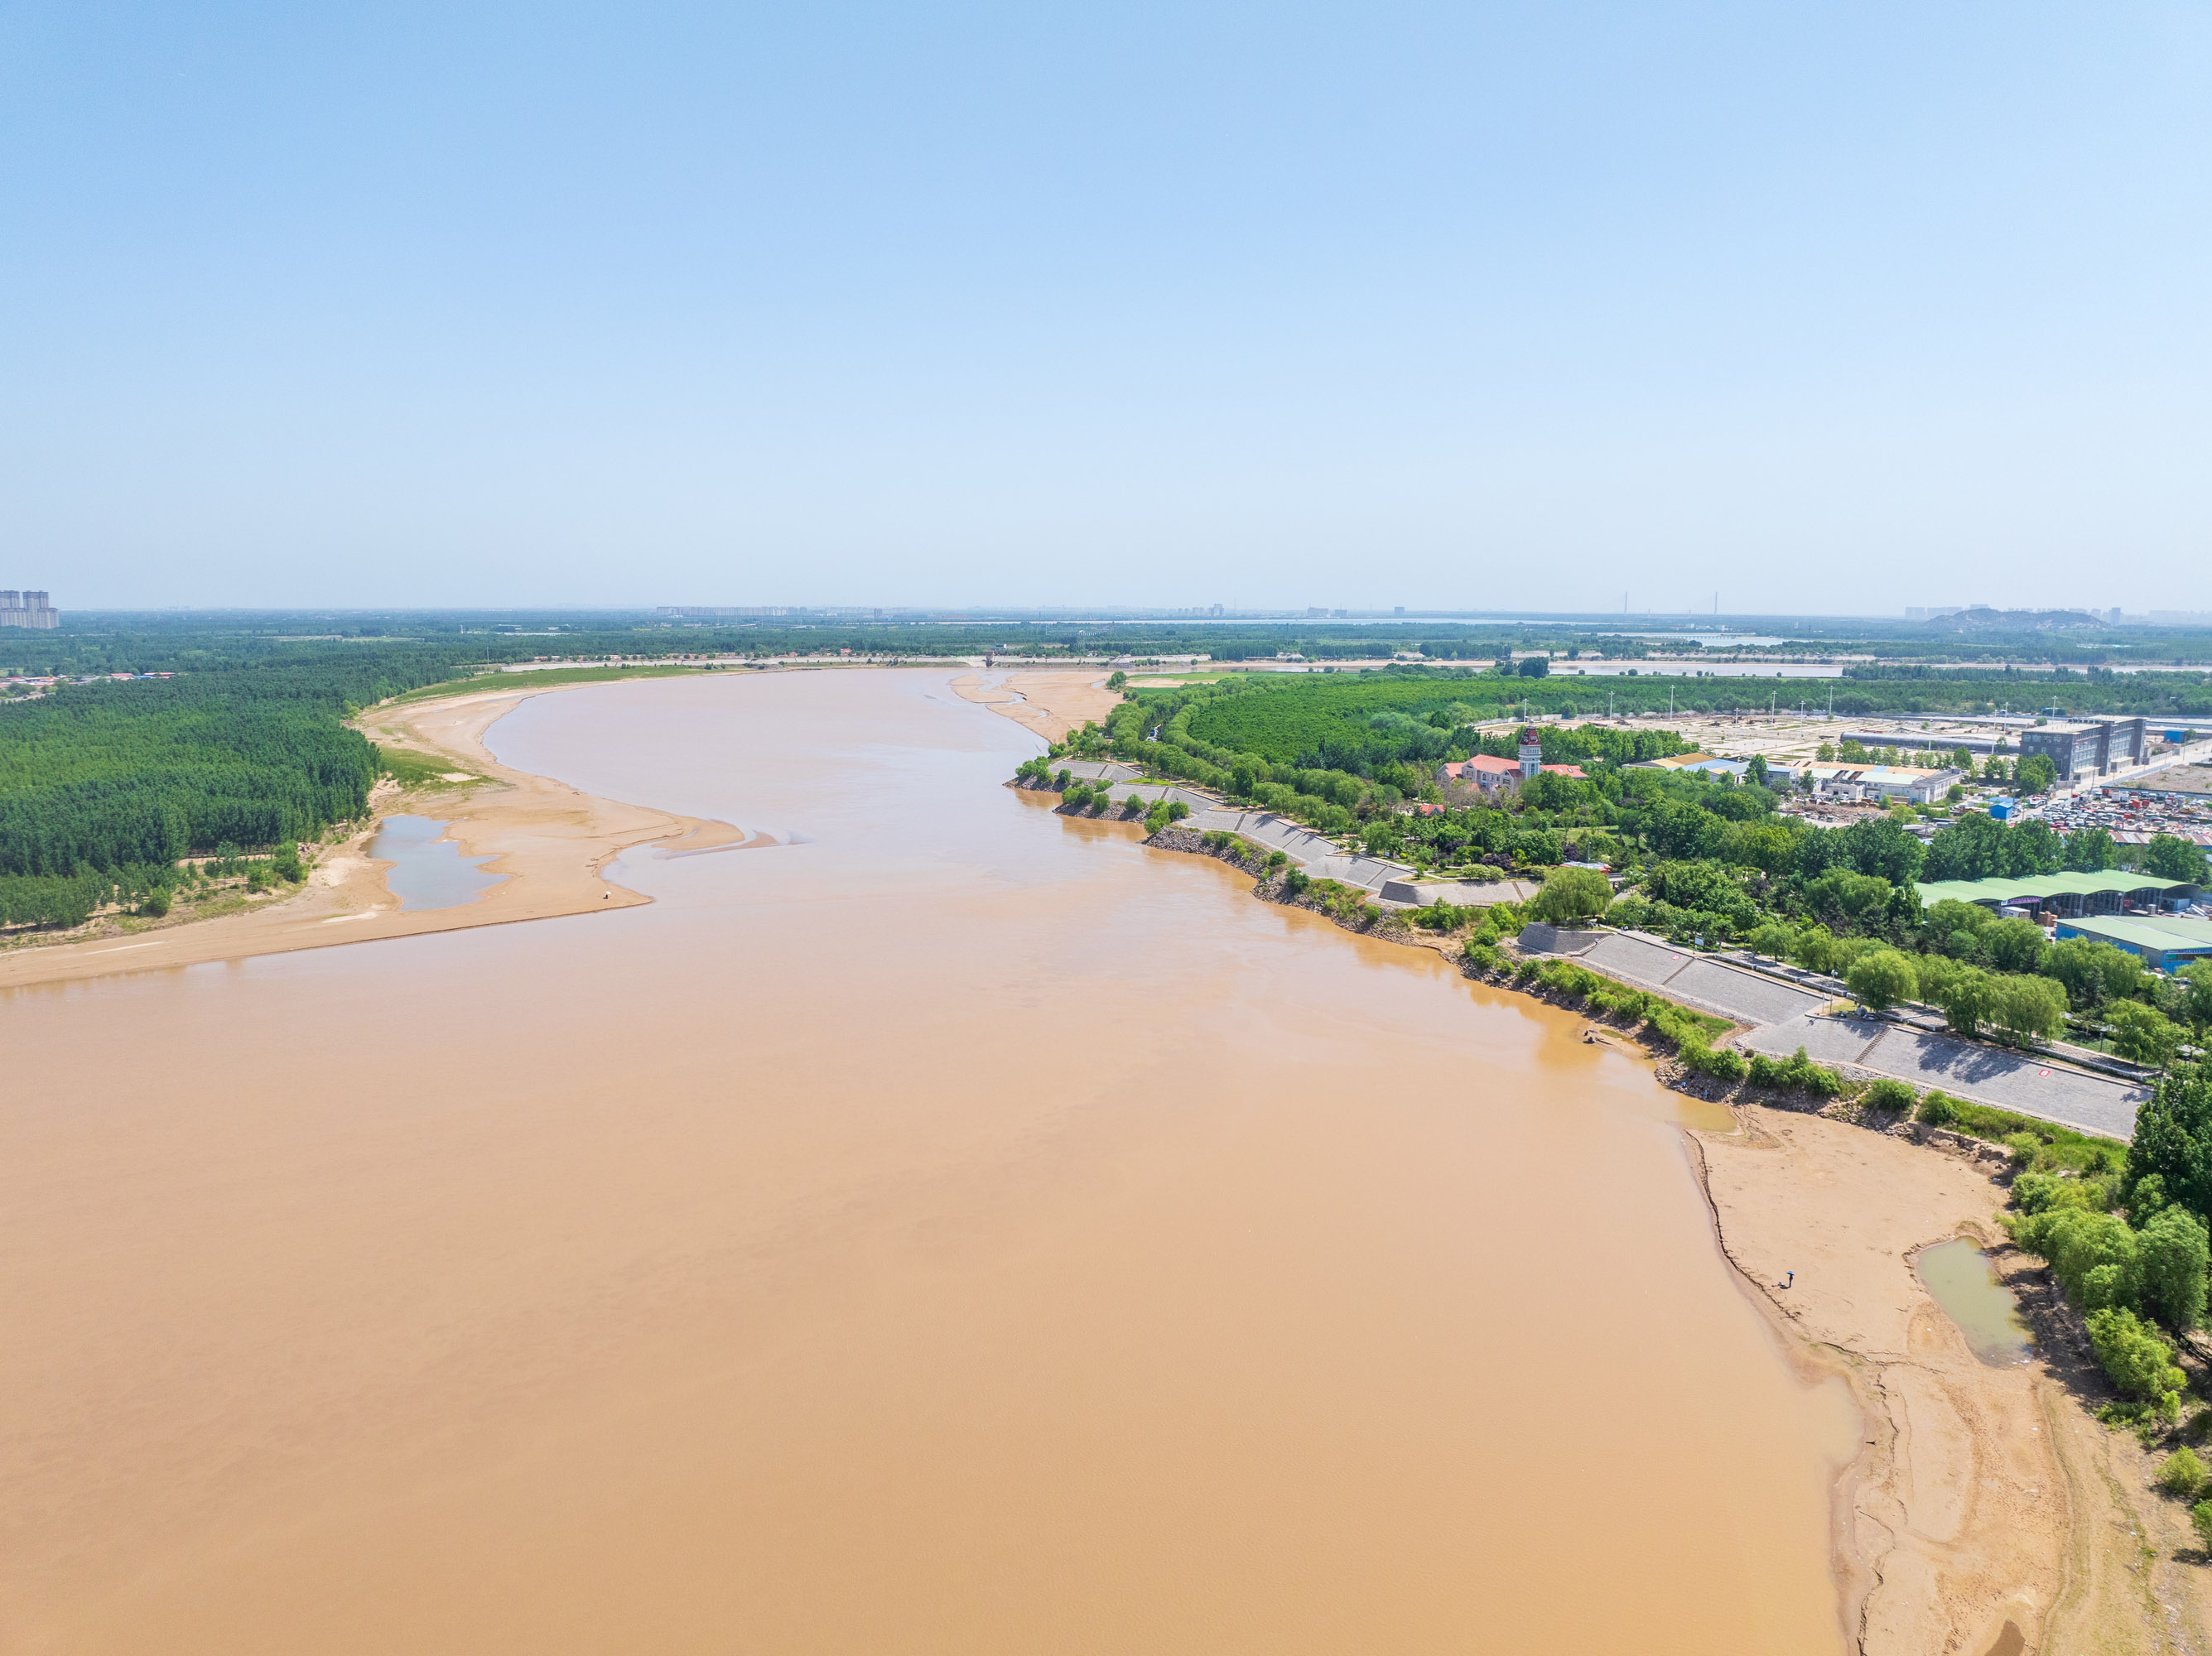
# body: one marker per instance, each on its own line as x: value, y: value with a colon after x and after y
x: 1452, y: 308
x: 1162, y: 613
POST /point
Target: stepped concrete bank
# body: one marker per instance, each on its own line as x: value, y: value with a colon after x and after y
x: 1394, y: 884
x: 1782, y: 1015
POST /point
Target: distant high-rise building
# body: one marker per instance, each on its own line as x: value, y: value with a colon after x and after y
x: 28, y: 609
x: 718, y: 612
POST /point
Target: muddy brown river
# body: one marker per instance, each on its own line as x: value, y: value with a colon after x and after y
x: 955, y: 1230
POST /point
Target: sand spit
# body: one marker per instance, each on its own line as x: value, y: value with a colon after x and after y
x: 1050, y: 704
x: 1953, y: 1520
x: 1985, y: 1498
x: 551, y: 841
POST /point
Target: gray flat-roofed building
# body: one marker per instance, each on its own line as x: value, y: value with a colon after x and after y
x: 2093, y: 747
x: 2167, y: 942
x: 1922, y: 741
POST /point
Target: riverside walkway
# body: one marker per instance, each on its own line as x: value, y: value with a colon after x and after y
x: 1394, y: 884
x: 1787, y: 1012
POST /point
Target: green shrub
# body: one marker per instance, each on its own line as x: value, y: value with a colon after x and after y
x: 2096, y: 1257
x: 2040, y: 1192
x: 1937, y: 1110
x: 2183, y: 1475
x: 2138, y: 1362
x: 1798, y: 1071
x: 1722, y: 1062
x: 1887, y: 1095
x: 2200, y: 1519
x: 1485, y: 956
x: 156, y: 903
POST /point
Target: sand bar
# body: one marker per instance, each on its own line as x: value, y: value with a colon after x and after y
x: 1050, y: 704
x: 551, y: 841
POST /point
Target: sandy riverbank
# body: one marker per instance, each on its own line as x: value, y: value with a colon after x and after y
x: 551, y: 841
x: 1989, y: 1511
x: 1049, y: 703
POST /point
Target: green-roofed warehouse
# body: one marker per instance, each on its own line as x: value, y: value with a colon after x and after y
x: 2064, y: 894
x: 2165, y: 942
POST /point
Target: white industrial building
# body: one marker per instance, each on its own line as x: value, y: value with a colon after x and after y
x: 1905, y: 782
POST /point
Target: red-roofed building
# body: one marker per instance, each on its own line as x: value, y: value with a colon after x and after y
x: 1484, y: 771
x: 1575, y: 771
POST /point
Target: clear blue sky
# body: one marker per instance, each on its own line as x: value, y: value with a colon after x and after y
x: 1833, y: 307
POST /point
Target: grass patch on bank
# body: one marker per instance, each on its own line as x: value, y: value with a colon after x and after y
x: 411, y: 769
x: 2052, y: 1146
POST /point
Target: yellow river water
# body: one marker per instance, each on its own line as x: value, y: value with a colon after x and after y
x: 959, y: 1230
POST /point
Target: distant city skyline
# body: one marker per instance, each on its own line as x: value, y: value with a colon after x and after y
x: 1839, y: 311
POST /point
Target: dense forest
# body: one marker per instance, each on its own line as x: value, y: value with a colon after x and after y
x: 103, y: 787
x: 1281, y: 718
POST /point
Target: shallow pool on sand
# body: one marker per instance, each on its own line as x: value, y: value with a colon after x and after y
x: 967, y: 1232
x: 1964, y: 1283
x: 428, y: 871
